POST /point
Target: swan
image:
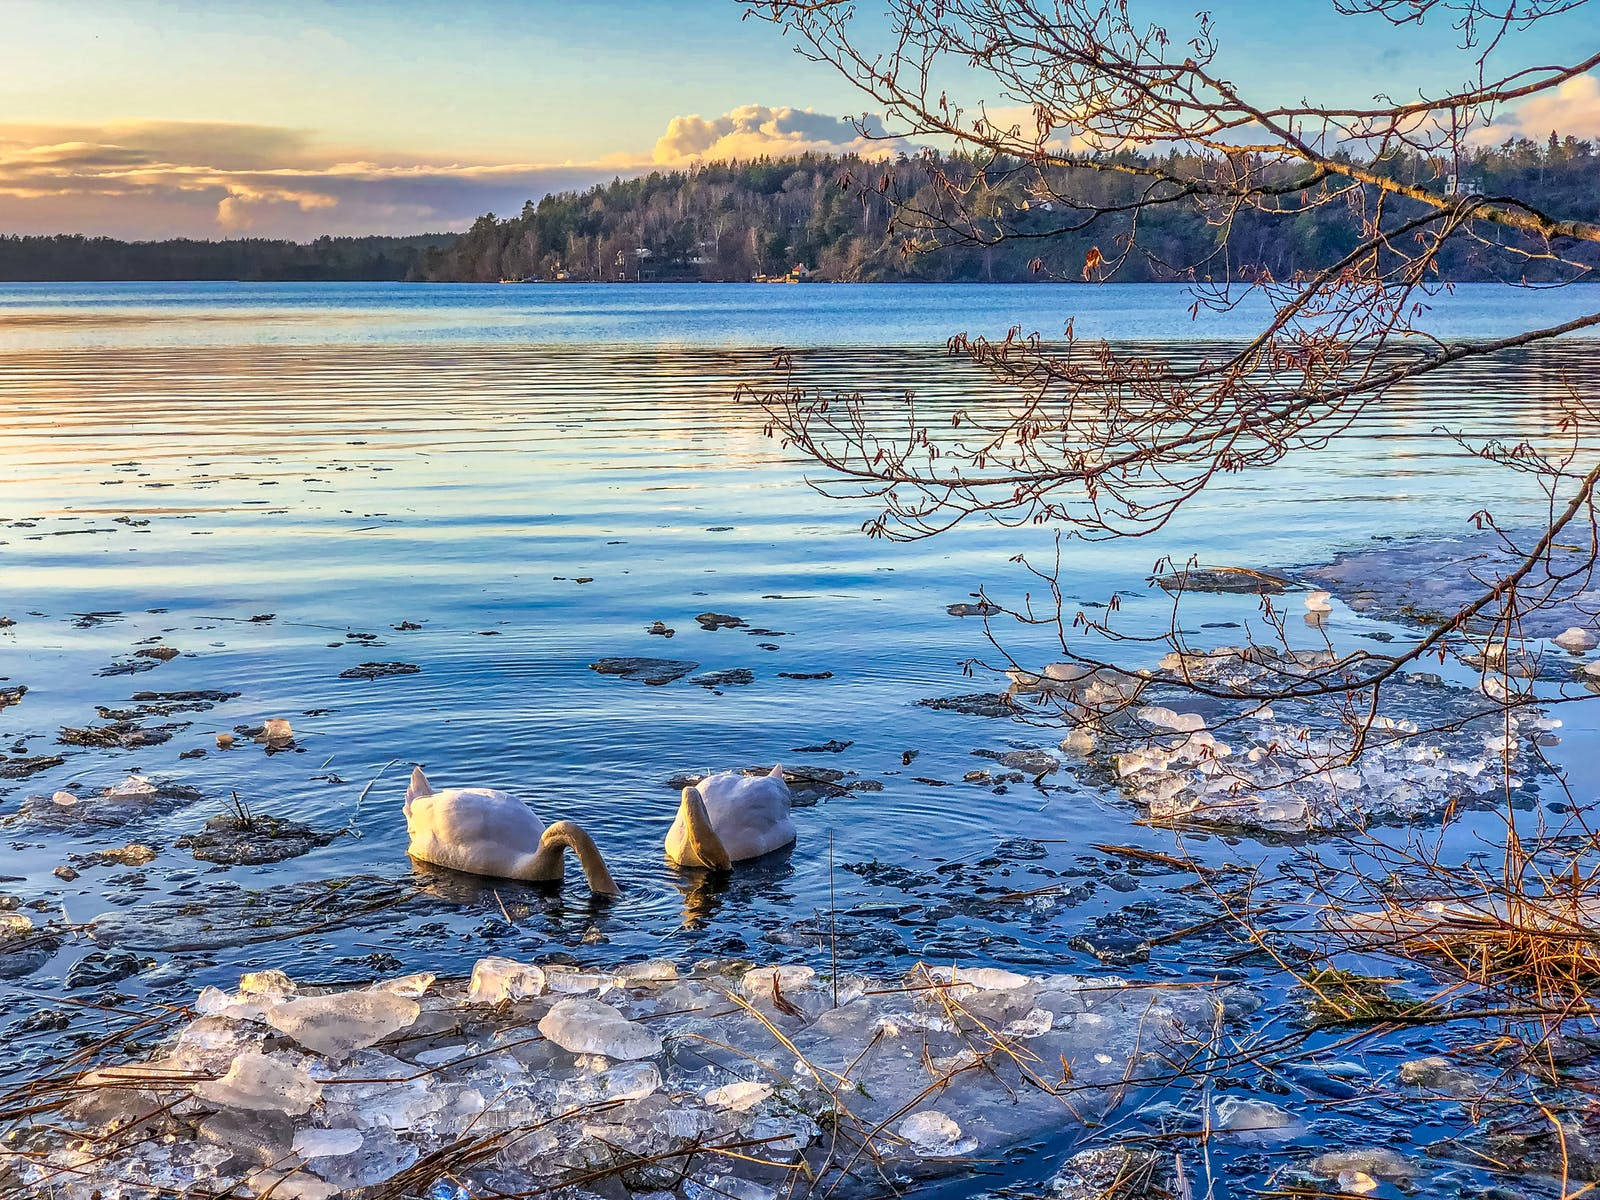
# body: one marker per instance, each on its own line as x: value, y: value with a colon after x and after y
x: 728, y: 818
x: 1319, y: 602
x: 487, y: 832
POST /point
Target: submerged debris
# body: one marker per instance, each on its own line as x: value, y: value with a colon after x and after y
x: 379, y: 670
x: 723, y: 1082
x: 22, y: 766
x: 245, y: 838
x: 977, y: 704
x: 733, y: 677
x: 119, y: 735
x: 1230, y: 581
x: 135, y: 797
x: 652, y: 671
x: 24, y: 948
x: 134, y: 854
x: 711, y: 621
x: 983, y: 608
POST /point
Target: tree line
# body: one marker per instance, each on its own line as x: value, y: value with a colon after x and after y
x: 75, y: 258
x: 850, y: 218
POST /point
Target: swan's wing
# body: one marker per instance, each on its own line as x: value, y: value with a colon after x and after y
x: 471, y: 828
x: 750, y: 815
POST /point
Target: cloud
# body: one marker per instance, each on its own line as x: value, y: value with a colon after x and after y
x: 157, y: 179
x: 1572, y: 108
x: 754, y: 130
x: 209, y: 179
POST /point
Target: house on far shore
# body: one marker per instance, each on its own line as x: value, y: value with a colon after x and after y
x: 799, y: 273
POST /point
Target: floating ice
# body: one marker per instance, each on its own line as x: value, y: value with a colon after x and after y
x: 738, y: 1096
x: 338, y: 1023
x: 263, y: 1083
x: 495, y: 980
x: 760, y: 982
x: 1262, y: 1118
x: 933, y: 1133
x: 326, y: 1143
x: 591, y: 1027
x: 1575, y: 639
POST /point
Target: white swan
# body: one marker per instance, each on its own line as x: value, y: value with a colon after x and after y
x: 487, y: 832
x: 728, y: 818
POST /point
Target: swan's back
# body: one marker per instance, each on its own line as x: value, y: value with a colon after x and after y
x: 751, y: 814
x: 481, y: 830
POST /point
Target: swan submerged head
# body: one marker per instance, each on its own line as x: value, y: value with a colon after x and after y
x: 483, y: 831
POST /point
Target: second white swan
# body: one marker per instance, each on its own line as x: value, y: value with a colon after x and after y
x: 729, y: 818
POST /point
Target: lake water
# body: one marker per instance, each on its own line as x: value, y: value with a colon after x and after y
x: 502, y: 485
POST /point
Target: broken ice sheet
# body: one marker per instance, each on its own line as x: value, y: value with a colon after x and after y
x: 646, y: 1083
x: 1288, y: 767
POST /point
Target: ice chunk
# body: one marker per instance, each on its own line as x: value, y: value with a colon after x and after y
x: 1166, y: 718
x: 1575, y: 639
x: 726, y: 1187
x: 1374, y: 1161
x: 495, y: 980
x: 1037, y: 1023
x: 935, y: 1135
x: 276, y: 732
x: 739, y: 1096
x: 758, y: 983
x: 287, y: 1185
x: 1080, y: 741
x: 630, y: 1081
x: 337, y: 1023
x: 381, y: 1156
x: 326, y: 1143
x: 134, y: 787
x: 263, y: 1083
x: 571, y: 982
x: 410, y: 986
x: 267, y: 983
x: 1239, y: 1115
x: 584, y: 1026
x: 966, y: 980
x: 651, y: 970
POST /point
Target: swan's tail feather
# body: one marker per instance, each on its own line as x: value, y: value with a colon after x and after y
x: 419, y: 787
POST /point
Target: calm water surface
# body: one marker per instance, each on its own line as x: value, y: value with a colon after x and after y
x: 532, y: 477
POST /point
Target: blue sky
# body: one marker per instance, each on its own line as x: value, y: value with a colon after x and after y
x: 146, y: 118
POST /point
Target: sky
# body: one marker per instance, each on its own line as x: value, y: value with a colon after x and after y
x: 294, y: 118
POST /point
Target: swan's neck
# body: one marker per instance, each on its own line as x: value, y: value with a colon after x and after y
x: 563, y: 836
x: 702, y: 848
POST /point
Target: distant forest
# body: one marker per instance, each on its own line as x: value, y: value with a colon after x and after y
x: 833, y: 217
x: 67, y: 258
x: 735, y: 221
